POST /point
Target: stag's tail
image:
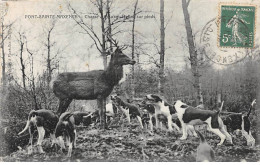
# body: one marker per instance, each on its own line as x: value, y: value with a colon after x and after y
x: 202, y: 139
x: 25, y: 128
x: 251, y: 107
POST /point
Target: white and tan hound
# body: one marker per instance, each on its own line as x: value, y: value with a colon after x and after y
x: 161, y: 107
x: 193, y: 116
x: 130, y: 110
x: 239, y: 121
x: 65, y: 129
x: 43, y: 120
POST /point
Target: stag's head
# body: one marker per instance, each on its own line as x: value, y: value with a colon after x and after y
x: 119, y: 58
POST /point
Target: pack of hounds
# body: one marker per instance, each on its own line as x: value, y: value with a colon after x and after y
x: 153, y: 110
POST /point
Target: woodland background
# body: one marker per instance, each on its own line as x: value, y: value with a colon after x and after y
x: 168, y: 63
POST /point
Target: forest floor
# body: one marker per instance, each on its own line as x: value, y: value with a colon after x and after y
x: 131, y: 144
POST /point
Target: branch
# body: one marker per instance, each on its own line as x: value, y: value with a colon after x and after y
x: 168, y: 21
x: 188, y: 2
x: 86, y: 28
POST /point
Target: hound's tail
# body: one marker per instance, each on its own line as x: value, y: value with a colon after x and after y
x: 202, y: 139
x: 25, y: 128
x: 86, y: 114
x: 90, y: 114
x: 67, y: 116
x: 28, y: 122
x: 251, y: 107
x: 221, y: 107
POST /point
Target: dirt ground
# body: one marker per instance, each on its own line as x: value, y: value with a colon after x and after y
x: 132, y: 144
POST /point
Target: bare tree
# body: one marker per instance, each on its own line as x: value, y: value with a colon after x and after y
x: 193, y: 53
x: 162, y: 48
x: 109, y: 28
x: 99, y: 43
x: 32, y: 80
x: 133, y: 51
x: 107, y: 31
x: 21, y: 42
x: 3, y: 54
x: 5, y: 33
x: 103, y: 44
x: 49, y: 45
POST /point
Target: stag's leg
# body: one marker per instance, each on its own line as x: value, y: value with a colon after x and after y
x: 102, y: 108
x: 63, y: 105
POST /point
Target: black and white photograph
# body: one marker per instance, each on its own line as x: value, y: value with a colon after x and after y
x: 129, y: 81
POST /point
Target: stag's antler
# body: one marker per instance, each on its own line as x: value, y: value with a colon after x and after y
x: 123, y: 47
x: 113, y: 41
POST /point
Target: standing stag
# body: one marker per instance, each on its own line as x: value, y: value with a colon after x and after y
x: 96, y: 84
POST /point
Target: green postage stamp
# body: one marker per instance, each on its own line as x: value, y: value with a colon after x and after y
x: 237, y: 26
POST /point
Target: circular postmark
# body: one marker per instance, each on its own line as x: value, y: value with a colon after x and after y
x: 209, y: 46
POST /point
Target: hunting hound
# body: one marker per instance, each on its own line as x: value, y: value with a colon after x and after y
x: 65, y: 128
x: 43, y: 120
x: 239, y: 121
x: 128, y: 109
x: 161, y: 107
x: 193, y: 116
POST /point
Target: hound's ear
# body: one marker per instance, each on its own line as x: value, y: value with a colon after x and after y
x: 174, y: 102
x: 184, y: 106
x: 157, y: 98
x: 33, y: 113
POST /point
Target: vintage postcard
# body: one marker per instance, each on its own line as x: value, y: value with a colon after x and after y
x: 129, y: 81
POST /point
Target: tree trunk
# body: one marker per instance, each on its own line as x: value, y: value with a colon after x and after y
x: 3, y: 56
x: 49, y: 69
x: 109, y: 26
x: 22, y: 63
x: 104, y: 55
x: 133, y: 53
x: 193, y: 53
x: 33, y: 88
x: 162, y: 49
